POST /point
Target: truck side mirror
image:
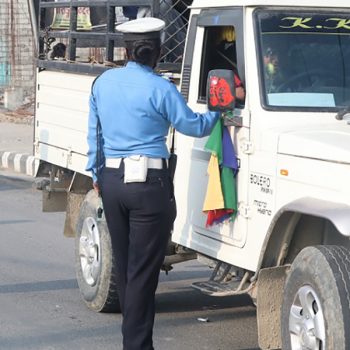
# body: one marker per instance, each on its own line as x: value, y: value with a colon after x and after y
x: 221, y: 95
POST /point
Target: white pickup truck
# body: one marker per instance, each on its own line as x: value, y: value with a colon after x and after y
x: 288, y: 246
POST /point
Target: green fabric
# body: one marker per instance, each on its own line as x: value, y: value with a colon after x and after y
x: 214, y: 143
x: 227, y: 178
x: 228, y: 185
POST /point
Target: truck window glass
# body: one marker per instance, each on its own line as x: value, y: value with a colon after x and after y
x: 304, y: 59
x: 219, y: 52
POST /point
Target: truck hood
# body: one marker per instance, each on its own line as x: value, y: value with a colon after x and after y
x: 331, y: 143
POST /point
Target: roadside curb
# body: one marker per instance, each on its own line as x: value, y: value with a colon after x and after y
x: 20, y: 163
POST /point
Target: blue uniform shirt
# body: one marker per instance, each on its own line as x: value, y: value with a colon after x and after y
x: 135, y: 107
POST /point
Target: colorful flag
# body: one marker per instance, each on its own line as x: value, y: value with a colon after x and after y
x: 220, y: 202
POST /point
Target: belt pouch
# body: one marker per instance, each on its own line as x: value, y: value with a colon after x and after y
x: 135, y: 169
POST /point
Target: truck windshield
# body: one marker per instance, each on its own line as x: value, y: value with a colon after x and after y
x: 304, y: 59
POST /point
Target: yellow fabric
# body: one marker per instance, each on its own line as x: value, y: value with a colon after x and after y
x: 214, y: 198
x: 228, y: 34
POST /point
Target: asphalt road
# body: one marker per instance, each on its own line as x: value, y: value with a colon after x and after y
x: 40, y: 305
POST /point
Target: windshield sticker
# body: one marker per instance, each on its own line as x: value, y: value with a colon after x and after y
x: 306, y: 23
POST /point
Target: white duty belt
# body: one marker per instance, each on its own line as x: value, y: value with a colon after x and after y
x: 152, y: 163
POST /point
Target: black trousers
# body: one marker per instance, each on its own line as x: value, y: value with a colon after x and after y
x: 139, y: 218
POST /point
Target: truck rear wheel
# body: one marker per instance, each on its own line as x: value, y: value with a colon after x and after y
x: 95, y: 264
x: 316, y: 301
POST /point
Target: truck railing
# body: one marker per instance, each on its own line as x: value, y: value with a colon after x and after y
x: 102, y: 38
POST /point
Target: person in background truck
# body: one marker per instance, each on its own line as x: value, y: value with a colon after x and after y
x: 135, y: 108
x: 227, y: 58
x: 130, y: 12
x: 58, y: 52
x: 273, y: 77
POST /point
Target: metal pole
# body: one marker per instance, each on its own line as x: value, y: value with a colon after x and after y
x: 33, y: 22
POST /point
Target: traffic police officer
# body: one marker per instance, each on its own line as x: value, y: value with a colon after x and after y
x: 135, y: 108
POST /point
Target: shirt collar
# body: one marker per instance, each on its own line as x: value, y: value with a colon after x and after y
x: 132, y: 64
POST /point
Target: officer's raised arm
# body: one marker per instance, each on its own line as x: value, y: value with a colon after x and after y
x: 183, y: 118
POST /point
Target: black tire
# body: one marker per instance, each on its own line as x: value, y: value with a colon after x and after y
x: 98, y: 285
x: 316, y: 301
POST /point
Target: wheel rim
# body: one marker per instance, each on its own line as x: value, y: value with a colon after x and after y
x: 90, y: 251
x: 306, y: 321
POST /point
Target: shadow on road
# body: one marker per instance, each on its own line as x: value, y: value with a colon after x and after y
x: 14, y: 183
x: 192, y: 300
x: 52, y: 339
x: 183, y: 276
x: 11, y: 222
x: 38, y: 286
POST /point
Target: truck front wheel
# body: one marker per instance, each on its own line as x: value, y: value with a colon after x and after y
x: 95, y: 264
x: 316, y: 301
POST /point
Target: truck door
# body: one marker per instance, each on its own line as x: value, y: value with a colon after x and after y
x: 205, y: 37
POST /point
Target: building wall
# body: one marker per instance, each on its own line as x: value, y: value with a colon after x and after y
x: 17, y: 64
